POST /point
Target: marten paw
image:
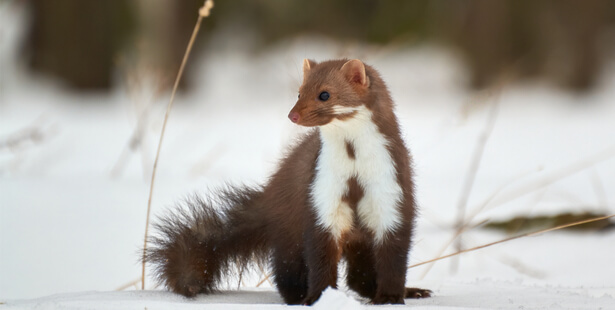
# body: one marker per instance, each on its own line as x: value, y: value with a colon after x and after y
x: 188, y: 287
x: 189, y: 290
x: 311, y: 299
x: 382, y: 299
x: 413, y: 292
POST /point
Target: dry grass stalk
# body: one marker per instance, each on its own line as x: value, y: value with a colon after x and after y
x: 551, y: 177
x: 129, y: 284
x: 500, y: 197
x: 520, y: 267
x: 458, y: 233
x: 35, y: 134
x: 477, y: 157
x: 497, y: 199
x: 139, y: 78
x: 599, y: 188
x: 514, y: 238
x: 203, y: 12
x: 266, y: 278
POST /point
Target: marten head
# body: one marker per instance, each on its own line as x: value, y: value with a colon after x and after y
x: 331, y: 90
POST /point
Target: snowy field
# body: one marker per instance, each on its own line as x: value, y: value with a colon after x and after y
x: 73, y: 192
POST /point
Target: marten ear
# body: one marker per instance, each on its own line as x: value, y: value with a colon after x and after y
x: 354, y: 71
x: 308, y: 64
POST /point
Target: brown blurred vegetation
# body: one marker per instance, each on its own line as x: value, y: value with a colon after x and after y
x: 565, y: 41
x: 524, y: 224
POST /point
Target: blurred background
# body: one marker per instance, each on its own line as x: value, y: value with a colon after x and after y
x: 507, y: 106
x: 83, y: 43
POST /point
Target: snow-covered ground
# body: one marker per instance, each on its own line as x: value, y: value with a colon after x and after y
x: 484, y: 294
x: 73, y: 195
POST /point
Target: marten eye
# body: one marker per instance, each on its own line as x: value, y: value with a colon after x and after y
x: 298, y: 96
x: 324, y: 96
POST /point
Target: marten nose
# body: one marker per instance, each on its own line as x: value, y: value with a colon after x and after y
x: 293, y: 116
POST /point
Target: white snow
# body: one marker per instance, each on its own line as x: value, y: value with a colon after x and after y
x: 335, y: 299
x: 479, y: 294
x: 72, y: 205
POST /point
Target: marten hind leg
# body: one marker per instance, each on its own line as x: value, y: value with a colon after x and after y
x: 290, y: 276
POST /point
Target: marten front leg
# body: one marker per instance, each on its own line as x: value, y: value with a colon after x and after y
x: 322, y: 255
x: 391, y: 255
x: 361, y: 273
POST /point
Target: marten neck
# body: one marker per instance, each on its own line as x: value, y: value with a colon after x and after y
x: 374, y: 117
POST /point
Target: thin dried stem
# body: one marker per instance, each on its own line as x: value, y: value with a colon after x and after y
x: 477, y: 210
x: 599, y: 188
x: 477, y: 157
x: 551, y: 177
x: 129, y: 284
x: 500, y: 197
x: 37, y: 133
x: 266, y: 278
x: 458, y: 233
x: 203, y: 12
x: 514, y: 238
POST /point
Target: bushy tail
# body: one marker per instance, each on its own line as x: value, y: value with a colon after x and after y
x: 194, y: 247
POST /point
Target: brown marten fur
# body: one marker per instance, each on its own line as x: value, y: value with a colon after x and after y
x: 344, y: 191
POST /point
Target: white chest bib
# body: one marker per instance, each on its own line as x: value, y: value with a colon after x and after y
x: 372, y: 166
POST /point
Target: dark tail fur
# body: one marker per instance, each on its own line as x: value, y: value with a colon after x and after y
x: 198, y: 245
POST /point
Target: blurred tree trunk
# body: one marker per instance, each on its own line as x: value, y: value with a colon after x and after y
x: 484, y: 38
x: 77, y: 40
x: 554, y: 38
x: 581, y: 29
x: 80, y: 42
x: 163, y: 33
